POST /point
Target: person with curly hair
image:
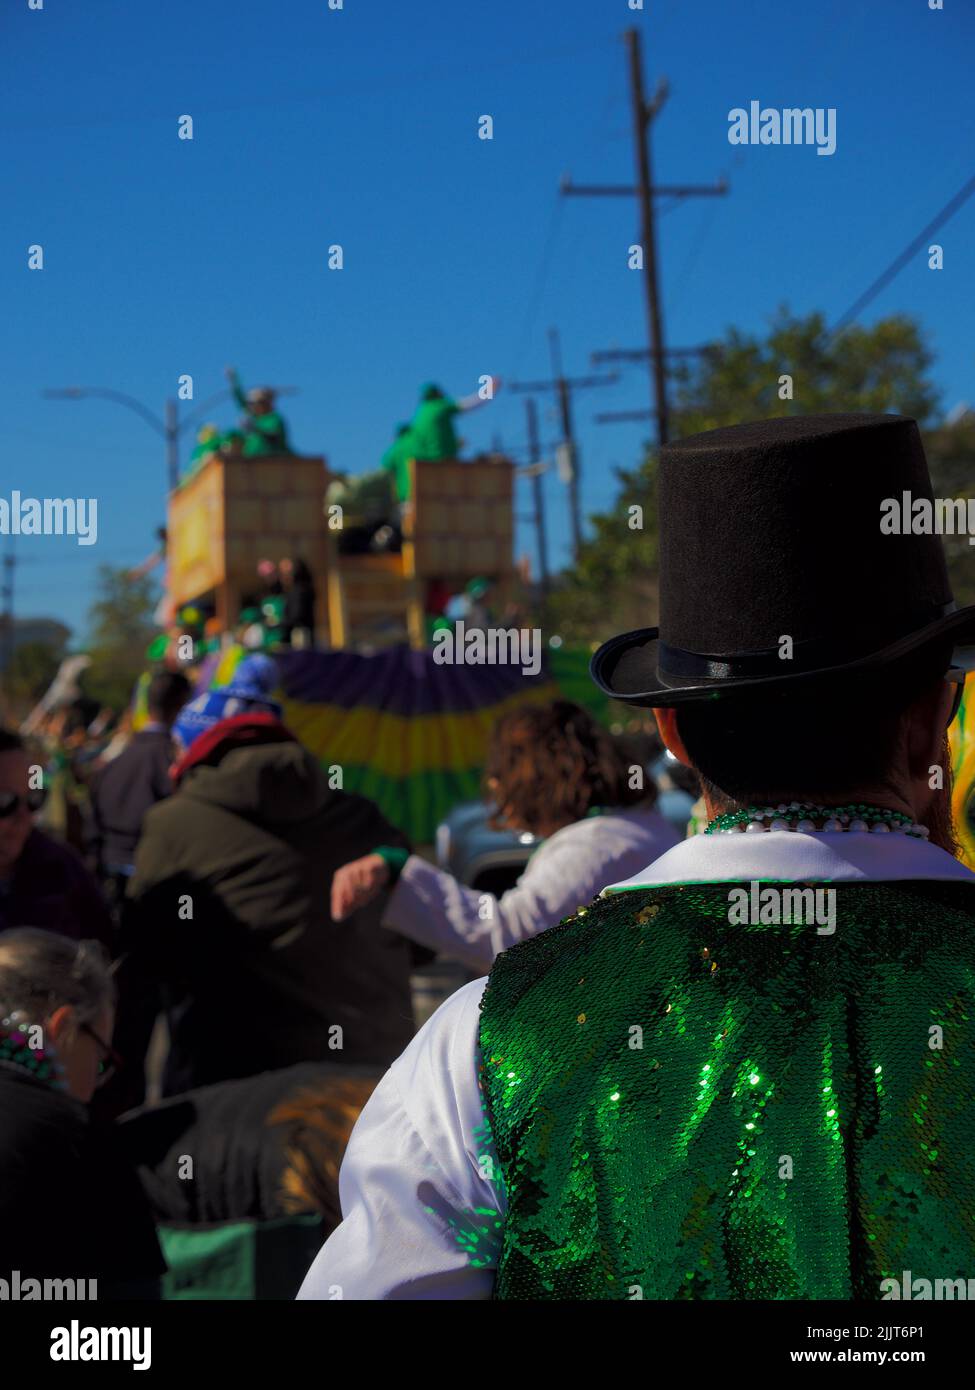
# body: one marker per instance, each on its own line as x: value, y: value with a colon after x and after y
x: 551, y: 771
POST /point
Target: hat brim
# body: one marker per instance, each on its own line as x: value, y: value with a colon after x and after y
x: 625, y: 667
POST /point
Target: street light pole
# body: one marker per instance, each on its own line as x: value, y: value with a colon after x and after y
x: 170, y: 426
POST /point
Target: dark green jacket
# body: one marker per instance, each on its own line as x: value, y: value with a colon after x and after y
x: 229, y: 907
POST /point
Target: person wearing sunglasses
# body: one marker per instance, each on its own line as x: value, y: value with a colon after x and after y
x: 43, y: 882
x: 71, y: 1205
x: 10, y: 802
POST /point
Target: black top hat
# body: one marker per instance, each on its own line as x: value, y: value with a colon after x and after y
x: 772, y: 531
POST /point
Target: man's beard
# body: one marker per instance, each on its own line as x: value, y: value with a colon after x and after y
x: 937, y: 818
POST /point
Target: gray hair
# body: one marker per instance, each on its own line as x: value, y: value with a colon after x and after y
x: 40, y: 971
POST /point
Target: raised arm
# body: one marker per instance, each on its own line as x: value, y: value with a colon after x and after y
x: 432, y: 908
x: 231, y: 374
x: 472, y: 402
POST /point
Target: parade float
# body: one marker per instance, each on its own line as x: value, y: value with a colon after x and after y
x: 367, y: 696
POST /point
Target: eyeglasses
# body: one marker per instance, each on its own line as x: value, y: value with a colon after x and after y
x: 956, y: 676
x: 110, y: 1062
x: 9, y: 801
x: 962, y: 665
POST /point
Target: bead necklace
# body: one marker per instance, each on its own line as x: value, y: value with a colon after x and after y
x: 15, y: 1051
x: 803, y: 815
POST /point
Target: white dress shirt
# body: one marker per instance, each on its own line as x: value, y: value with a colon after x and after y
x: 422, y: 1204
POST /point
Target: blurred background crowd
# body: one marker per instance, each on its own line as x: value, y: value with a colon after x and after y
x: 209, y: 953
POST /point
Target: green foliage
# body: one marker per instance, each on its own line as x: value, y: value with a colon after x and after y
x: 951, y: 455
x: 880, y: 369
x: 120, y: 628
x: 33, y: 666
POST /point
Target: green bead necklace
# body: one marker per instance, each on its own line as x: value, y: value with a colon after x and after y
x: 802, y: 816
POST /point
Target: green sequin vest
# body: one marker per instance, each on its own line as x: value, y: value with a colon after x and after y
x: 686, y: 1108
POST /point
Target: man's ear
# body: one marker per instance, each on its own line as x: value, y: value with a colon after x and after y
x: 59, y: 1023
x: 928, y: 727
x: 667, y: 724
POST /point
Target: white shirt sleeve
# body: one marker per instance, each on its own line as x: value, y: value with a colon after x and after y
x: 434, y: 908
x: 566, y: 873
x: 422, y: 1201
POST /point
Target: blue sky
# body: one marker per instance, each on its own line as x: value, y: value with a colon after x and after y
x: 359, y: 126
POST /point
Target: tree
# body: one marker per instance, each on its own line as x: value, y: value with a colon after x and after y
x: 880, y: 369
x: 120, y: 628
x: 33, y: 666
x: 951, y: 455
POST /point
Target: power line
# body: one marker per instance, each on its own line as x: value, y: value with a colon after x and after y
x: 541, y: 278
x: 83, y: 554
x: 898, y: 264
x: 534, y: 299
x: 271, y: 102
x: 694, y: 251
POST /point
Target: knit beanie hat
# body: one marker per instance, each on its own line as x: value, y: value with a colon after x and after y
x: 247, y: 693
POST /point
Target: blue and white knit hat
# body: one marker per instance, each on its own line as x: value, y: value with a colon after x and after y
x: 247, y: 693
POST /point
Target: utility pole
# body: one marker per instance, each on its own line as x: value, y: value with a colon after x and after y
x: 646, y: 191
x: 536, y: 468
x: 7, y: 618
x: 568, y: 438
x: 563, y: 387
x: 641, y: 121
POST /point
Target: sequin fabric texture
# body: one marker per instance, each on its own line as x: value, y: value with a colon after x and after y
x: 689, y: 1109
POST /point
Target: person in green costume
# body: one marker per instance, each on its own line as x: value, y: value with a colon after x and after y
x: 745, y: 1072
x: 432, y: 429
x: 264, y: 430
x: 250, y: 631
x: 396, y: 460
x: 231, y: 445
x: 272, y: 616
x: 207, y: 443
x: 213, y: 443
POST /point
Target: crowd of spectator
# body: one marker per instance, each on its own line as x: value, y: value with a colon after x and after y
x: 206, y: 952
